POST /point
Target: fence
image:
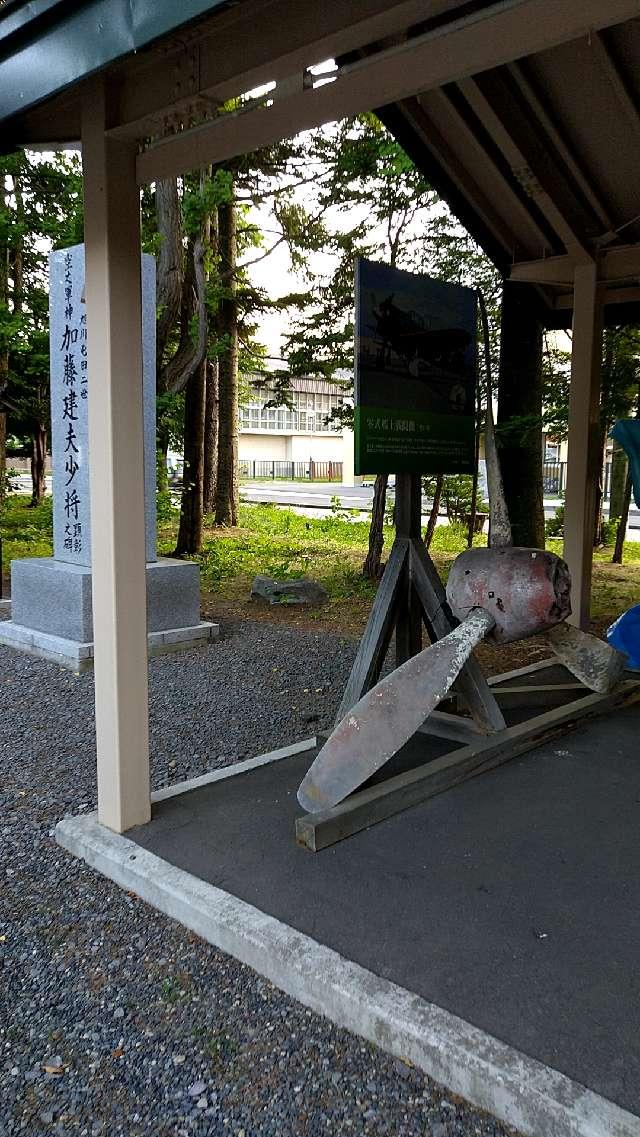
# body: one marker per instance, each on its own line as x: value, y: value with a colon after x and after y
x: 554, y: 478
x: 291, y: 471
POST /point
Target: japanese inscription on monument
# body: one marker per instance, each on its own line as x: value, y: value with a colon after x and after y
x: 70, y: 383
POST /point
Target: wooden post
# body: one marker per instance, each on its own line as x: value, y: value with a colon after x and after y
x: 408, y: 504
x: 583, y: 455
x: 113, y: 297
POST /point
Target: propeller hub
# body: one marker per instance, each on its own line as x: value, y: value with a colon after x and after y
x: 525, y: 590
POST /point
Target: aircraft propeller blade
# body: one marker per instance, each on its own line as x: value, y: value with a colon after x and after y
x: 388, y: 715
x: 594, y: 662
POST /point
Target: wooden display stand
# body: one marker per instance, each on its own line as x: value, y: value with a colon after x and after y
x: 409, y: 596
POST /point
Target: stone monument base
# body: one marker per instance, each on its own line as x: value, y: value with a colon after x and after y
x: 51, y: 615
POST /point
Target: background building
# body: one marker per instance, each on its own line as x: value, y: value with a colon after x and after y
x: 282, y: 440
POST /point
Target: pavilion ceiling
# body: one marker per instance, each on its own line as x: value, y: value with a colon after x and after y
x: 525, y: 114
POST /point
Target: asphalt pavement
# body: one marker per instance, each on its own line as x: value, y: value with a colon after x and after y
x: 314, y: 498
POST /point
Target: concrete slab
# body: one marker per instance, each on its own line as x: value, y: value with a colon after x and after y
x: 489, y: 935
x: 78, y: 656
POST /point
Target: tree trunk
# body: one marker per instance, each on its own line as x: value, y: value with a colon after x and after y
x: 162, y: 454
x: 227, y: 494
x: 621, y: 531
x: 170, y: 265
x: 38, y: 463
x: 519, y: 427
x: 618, y: 480
x: 371, y: 566
x: 435, y: 510
x: 4, y: 358
x: 598, y: 537
x: 190, y: 529
x: 3, y: 455
x: 211, y: 437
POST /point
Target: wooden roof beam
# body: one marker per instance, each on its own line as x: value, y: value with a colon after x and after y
x: 240, y: 50
x: 486, y: 39
x: 533, y: 234
x: 615, y: 265
x: 535, y: 181
x: 552, y: 129
x: 619, y: 84
x: 629, y: 295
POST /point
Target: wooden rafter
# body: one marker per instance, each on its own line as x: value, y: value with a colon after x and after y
x: 483, y: 40
x: 533, y: 175
x: 416, y: 114
x: 619, y: 84
x: 532, y: 235
x: 555, y: 133
x: 615, y: 265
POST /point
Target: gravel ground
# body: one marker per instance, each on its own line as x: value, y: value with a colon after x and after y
x: 114, y: 1019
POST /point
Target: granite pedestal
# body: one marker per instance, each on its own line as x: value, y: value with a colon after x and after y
x: 51, y: 613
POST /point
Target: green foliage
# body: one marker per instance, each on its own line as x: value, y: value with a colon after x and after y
x: 619, y: 381
x: 40, y: 210
x: 26, y: 532
x: 457, y: 495
x: 554, y: 526
x: 609, y: 530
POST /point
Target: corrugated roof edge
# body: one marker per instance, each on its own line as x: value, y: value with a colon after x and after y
x: 48, y: 45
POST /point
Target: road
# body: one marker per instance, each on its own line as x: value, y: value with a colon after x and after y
x: 314, y: 498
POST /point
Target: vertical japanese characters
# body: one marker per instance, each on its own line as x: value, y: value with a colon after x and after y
x: 70, y: 360
x: 74, y: 382
x: 69, y: 407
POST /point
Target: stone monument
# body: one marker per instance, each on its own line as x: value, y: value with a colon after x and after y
x: 51, y: 612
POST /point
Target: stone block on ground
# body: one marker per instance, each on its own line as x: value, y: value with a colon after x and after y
x: 300, y: 591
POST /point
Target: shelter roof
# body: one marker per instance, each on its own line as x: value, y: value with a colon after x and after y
x: 524, y: 113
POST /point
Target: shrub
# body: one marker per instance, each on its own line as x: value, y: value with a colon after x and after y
x: 554, y: 527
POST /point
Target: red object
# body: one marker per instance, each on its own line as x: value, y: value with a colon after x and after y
x: 525, y: 590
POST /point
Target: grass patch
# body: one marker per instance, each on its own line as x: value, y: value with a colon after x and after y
x: 25, y: 532
x: 331, y: 549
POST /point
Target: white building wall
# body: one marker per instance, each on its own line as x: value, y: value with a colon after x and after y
x: 317, y: 447
x: 270, y: 446
x: 264, y: 447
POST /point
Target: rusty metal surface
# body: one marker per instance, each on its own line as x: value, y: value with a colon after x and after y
x: 387, y: 716
x: 594, y: 662
x: 525, y: 590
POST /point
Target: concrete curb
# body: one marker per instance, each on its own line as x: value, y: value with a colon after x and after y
x: 230, y: 771
x: 78, y: 657
x: 520, y: 1091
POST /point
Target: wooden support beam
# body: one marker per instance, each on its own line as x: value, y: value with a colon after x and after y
x: 619, y: 84
x: 630, y: 295
x: 583, y: 458
x: 316, y: 831
x: 244, y: 48
x: 554, y: 131
x: 408, y: 510
x: 492, y: 36
x: 375, y: 641
x: 114, y: 322
x: 430, y: 116
x: 614, y: 265
x: 532, y: 173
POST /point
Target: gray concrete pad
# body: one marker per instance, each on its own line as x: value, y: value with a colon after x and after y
x: 490, y: 934
x: 78, y: 656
